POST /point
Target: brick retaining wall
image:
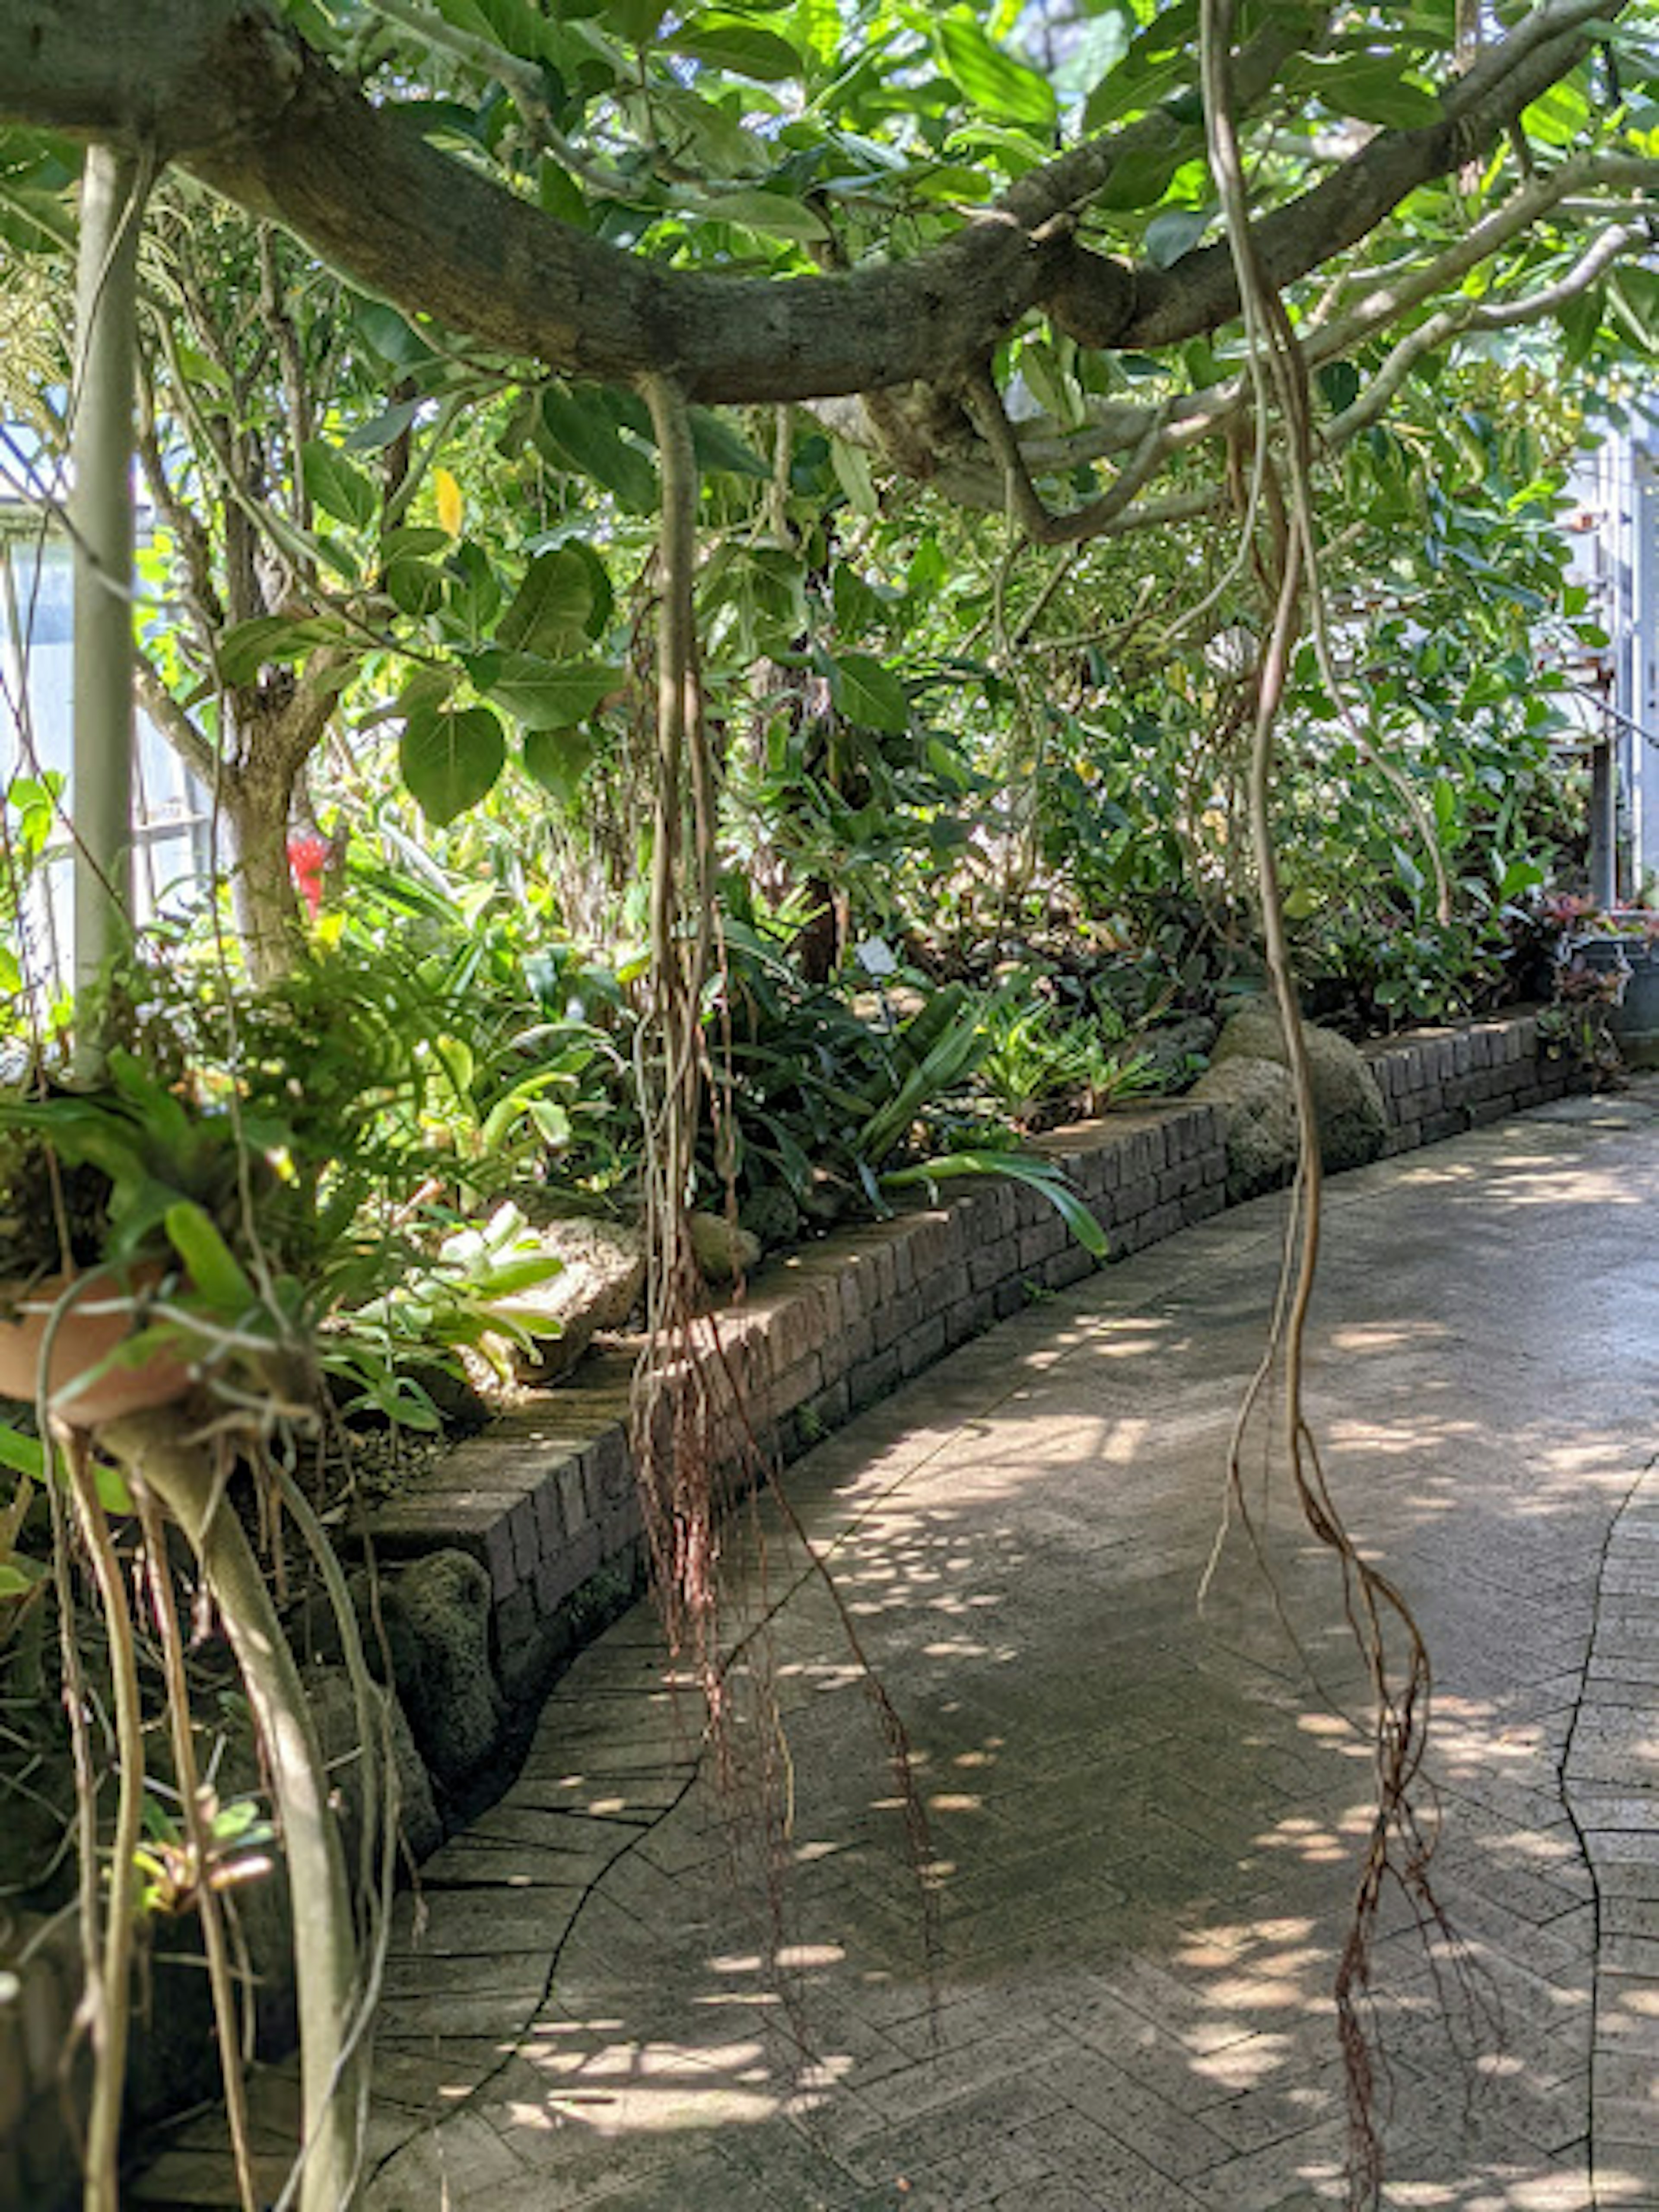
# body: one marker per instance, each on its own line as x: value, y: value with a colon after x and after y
x: 546, y: 1497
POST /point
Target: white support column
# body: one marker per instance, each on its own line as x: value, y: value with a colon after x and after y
x: 102, y: 518
x: 1638, y: 662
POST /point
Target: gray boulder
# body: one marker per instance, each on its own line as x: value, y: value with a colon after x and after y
x: 334, y: 1710
x: 601, y: 1275
x: 1258, y: 1101
x: 1170, y: 1047
x: 772, y: 1216
x: 436, y: 1616
x: 1353, y: 1124
x: 174, y: 2053
x: 725, y: 1249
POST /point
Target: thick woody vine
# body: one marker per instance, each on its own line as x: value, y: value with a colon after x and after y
x: 1289, y: 575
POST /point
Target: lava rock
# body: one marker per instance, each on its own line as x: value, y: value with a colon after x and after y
x: 600, y: 1278
x: 1353, y: 1124
x: 436, y: 1617
x: 1258, y: 1101
x: 725, y: 1249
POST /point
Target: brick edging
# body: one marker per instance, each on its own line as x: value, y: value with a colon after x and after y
x: 545, y: 1498
x: 1610, y: 1783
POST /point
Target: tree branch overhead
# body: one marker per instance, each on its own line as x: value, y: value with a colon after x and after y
x: 225, y: 89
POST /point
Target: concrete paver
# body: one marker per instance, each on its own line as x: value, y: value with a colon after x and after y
x: 1106, y: 1984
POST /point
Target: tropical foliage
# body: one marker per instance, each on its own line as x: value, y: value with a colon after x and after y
x: 764, y: 589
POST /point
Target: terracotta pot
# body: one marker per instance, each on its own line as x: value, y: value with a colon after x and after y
x: 84, y: 1338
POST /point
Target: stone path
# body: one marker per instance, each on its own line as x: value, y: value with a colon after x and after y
x: 1142, y: 1817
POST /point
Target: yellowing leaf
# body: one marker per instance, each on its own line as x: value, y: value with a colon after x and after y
x: 452, y: 507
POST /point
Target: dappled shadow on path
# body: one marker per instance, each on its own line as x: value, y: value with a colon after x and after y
x: 1108, y: 1985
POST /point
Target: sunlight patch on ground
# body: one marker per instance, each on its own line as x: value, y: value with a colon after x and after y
x: 1132, y: 1340
x: 1394, y: 1437
x: 1566, y: 1187
x: 1378, y: 1336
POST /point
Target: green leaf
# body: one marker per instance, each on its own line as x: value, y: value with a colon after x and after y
x: 1038, y: 1175
x: 544, y: 694
x: 1157, y: 66
x: 1140, y: 178
x: 552, y: 607
x: 719, y: 449
x: 22, y: 1454
x: 247, y: 646
x: 993, y: 81
x: 1173, y: 234
x: 337, y: 485
x: 110, y: 1484
x: 412, y: 539
x: 951, y: 181
x: 868, y: 694
x: 552, y: 1123
x: 215, y: 1272
x: 558, y: 760
x: 851, y: 466
x: 1521, y: 875
x: 577, y: 433
x: 743, y: 48
x: 18, y: 1577
x: 1339, y: 385
x: 759, y: 210
x: 818, y: 26
x: 424, y: 693
x: 1372, y: 88
x: 450, y: 758
x: 381, y: 430
x: 636, y: 21
x: 1558, y: 116
x: 476, y: 589
x: 415, y: 588
x: 382, y: 329
x: 234, y: 1820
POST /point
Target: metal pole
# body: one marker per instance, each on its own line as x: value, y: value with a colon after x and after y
x: 1603, y: 825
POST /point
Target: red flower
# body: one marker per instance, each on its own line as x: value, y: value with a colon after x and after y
x: 307, y: 857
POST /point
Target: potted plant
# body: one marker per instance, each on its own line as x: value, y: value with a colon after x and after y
x: 1607, y: 972
x: 146, y: 1231
x: 101, y: 1193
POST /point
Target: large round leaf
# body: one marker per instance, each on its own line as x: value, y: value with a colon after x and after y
x: 544, y: 694
x: 550, y: 611
x: 558, y: 760
x: 450, y: 759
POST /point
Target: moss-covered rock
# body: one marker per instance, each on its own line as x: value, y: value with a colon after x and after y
x: 1258, y: 1100
x: 771, y: 1216
x: 1171, y: 1048
x: 436, y: 1613
x: 1353, y: 1125
x: 724, y: 1248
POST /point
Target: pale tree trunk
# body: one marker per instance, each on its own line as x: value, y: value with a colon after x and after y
x: 275, y: 730
x: 257, y: 799
x: 269, y: 741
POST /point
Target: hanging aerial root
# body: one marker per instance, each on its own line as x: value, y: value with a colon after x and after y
x: 694, y: 1447
x: 1398, y: 1845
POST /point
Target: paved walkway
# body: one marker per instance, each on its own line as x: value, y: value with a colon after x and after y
x: 1143, y: 1817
